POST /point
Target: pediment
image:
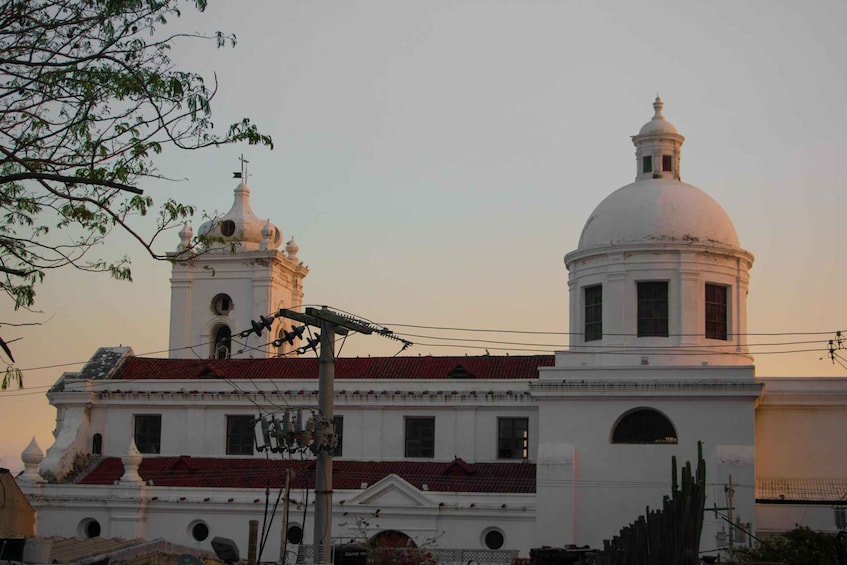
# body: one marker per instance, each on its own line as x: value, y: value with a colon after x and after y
x: 392, y: 491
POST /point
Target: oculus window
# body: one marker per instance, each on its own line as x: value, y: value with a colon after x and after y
x: 716, y: 311
x: 222, y: 304
x: 644, y: 426
x: 148, y: 433
x: 227, y: 228
x: 512, y: 438
x: 493, y: 539
x: 199, y: 530
x: 420, y: 437
x: 593, y: 312
x: 653, y: 309
x: 295, y: 534
x: 89, y: 528
x: 240, y: 437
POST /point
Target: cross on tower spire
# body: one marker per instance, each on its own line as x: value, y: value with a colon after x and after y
x: 243, y: 174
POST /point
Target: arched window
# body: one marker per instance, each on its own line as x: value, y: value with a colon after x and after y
x: 392, y: 538
x: 222, y: 344
x: 644, y: 426
x: 97, y: 444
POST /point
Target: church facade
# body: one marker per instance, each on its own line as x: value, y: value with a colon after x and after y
x: 475, y: 453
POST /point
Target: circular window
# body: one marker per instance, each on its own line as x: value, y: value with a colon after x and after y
x: 227, y: 227
x: 494, y: 539
x: 222, y: 304
x: 199, y: 531
x: 89, y: 528
x: 295, y: 534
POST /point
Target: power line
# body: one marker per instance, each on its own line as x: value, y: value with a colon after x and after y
x: 536, y: 332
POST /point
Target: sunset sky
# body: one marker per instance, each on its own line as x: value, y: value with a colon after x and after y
x: 435, y: 161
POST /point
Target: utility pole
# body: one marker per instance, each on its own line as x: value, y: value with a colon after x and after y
x: 330, y: 324
x: 730, y: 499
x: 285, y: 507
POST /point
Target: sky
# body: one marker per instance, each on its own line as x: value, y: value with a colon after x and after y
x: 435, y: 161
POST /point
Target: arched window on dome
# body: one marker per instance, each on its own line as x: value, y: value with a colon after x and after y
x: 644, y: 426
x: 222, y: 342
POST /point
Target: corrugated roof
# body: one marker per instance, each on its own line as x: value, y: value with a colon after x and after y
x: 68, y: 550
x: 805, y: 491
x: 460, y: 368
x: 83, y: 550
x: 200, y: 472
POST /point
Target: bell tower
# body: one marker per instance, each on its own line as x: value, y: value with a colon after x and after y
x: 235, y: 275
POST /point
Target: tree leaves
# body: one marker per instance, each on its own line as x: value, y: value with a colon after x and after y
x: 88, y: 97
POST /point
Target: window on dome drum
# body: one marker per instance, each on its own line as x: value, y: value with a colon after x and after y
x: 644, y: 426
x: 647, y: 164
x: 593, y: 312
x: 420, y: 437
x: 222, y: 344
x: 512, y: 438
x: 338, y: 431
x: 653, y: 309
x: 667, y: 163
x: 240, y: 435
x: 716, y: 311
x: 148, y: 433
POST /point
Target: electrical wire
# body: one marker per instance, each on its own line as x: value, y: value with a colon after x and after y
x: 530, y: 332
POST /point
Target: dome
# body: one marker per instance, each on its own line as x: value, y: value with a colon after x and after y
x: 242, y: 225
x: 658, y: 125
x: 658, y: 210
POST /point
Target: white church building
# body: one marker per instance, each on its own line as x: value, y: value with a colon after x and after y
x: 456, y: 453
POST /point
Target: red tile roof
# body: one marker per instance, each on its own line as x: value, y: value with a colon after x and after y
x: 488, y: 367
x: 199, y: 472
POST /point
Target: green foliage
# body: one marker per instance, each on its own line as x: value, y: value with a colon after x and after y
x: 800, y: 546
x: 88, y: 97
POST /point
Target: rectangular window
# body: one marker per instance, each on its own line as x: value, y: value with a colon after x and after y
x: 338, y: 432
x: 420, y: 437
x: 148, y: 433
x: 647, y: 164
x: 653, y: 309
x: 240, y: 434
x: 667, y: 163
x: 593, y: 312
x: 512, y: 438
x: 716, y: 311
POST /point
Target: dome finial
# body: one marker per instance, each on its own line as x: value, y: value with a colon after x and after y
x: 658, y: 105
